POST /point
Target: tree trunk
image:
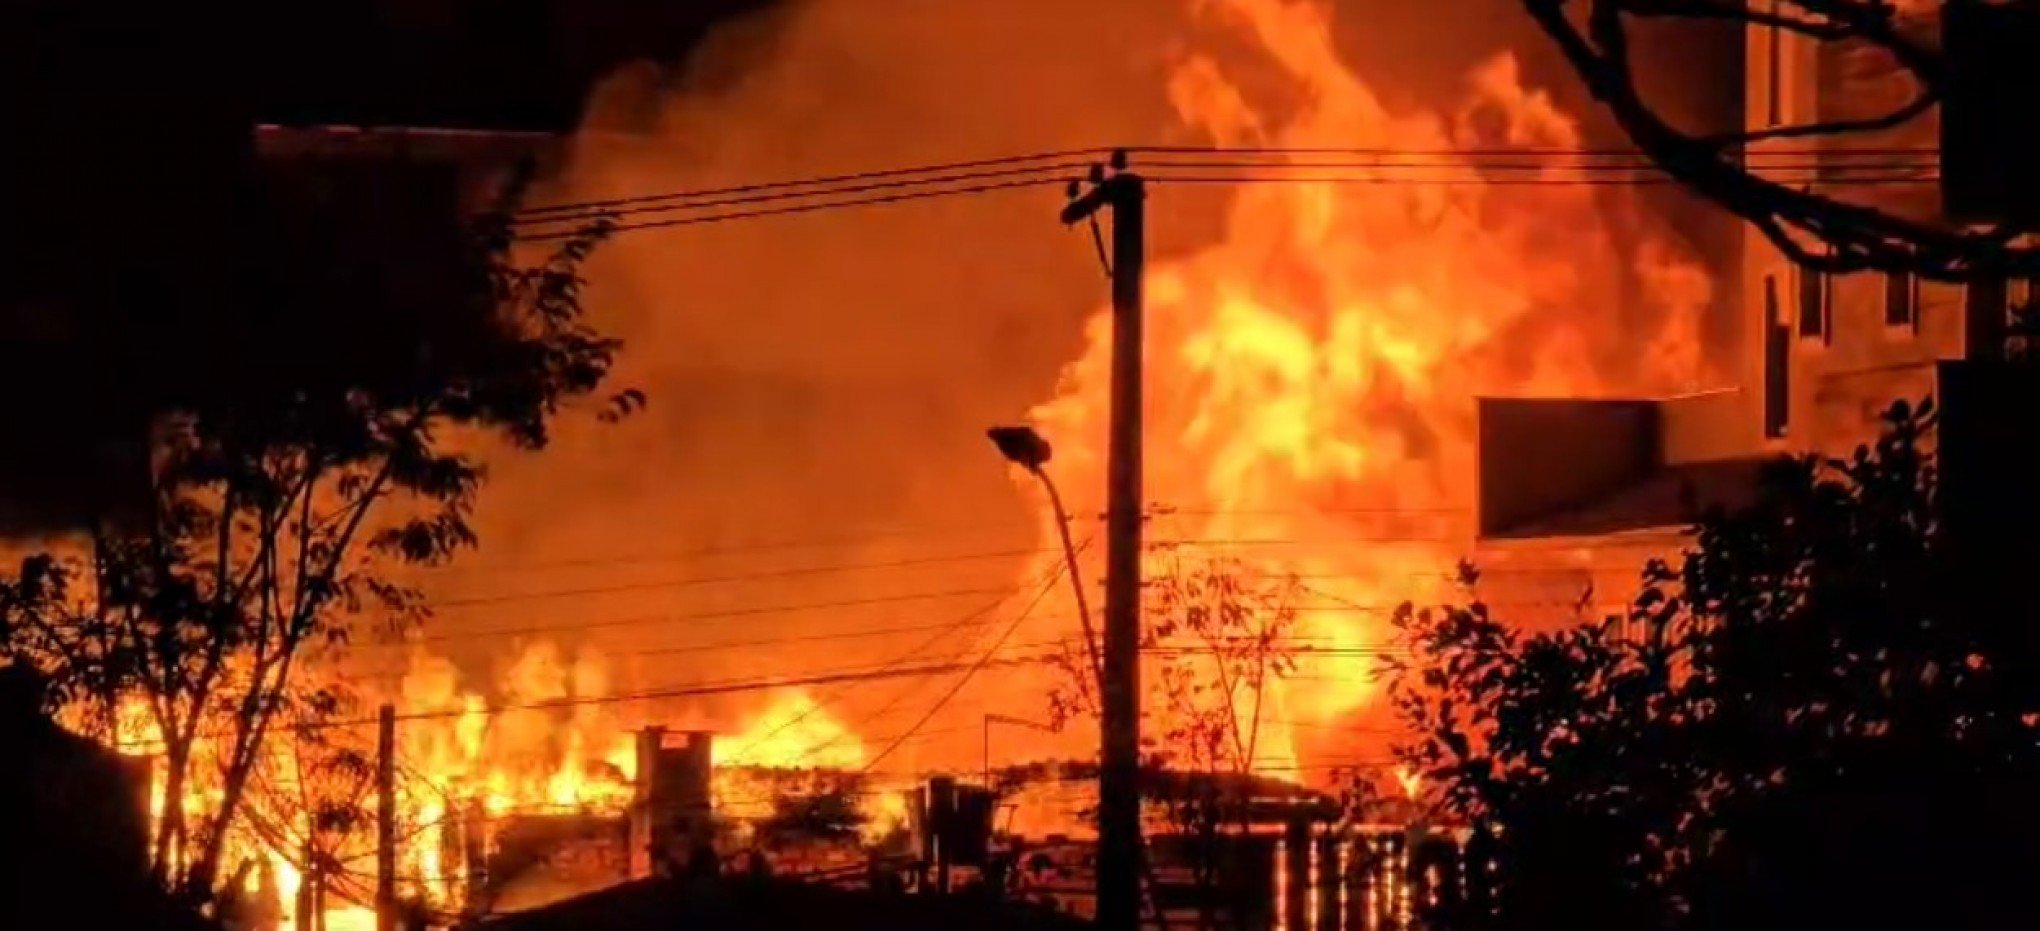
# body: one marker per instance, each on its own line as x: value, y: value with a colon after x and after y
x: 232, y: 787
x: 170, y: 828
x: 308, y: 880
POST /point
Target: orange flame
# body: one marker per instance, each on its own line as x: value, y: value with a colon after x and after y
x: 1310, y: 377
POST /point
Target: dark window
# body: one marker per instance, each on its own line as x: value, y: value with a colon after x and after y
x: 1901, y: 300
x: 1983, y: 312
x: 1777, y: 362
x: 1774, y: 92
x: 1815, y: 305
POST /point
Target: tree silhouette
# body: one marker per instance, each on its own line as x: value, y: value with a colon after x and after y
x: 1799, y: 725
x: 825, y: 809
x: 1818, y: 229
x: 1216, y: 640
x: 271, y: 514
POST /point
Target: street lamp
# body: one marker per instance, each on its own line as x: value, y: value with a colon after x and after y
x: 1027, y: 449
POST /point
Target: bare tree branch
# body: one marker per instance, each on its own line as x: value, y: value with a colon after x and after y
x: 1913, y: 109
x: 1817, y: 230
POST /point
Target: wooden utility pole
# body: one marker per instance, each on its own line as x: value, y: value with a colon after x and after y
x: 386, y: 818
x: 1119, y: 855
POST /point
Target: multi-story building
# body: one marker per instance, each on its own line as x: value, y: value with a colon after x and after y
x: 1813, y: 359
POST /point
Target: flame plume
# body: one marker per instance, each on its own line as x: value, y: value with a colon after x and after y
x: 1310, y: 377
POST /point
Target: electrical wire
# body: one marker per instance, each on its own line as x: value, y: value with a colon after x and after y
x: 1506, y: 182
x: 706, y: 615
x: 969, y: 672
x: 1536, y: 166
x: 800, y: 208
x: 725, y: 579
x: 829, y: 569
x: 817, y: 706
x: 652, y: 207
x: 921, y: 182
x: 900, y: 697
x: 925, y: 531
x: 1198, y: 179
x: 694, y: 689
x: 1053, y: 155
x: 1500, y: 151
x: 1208, y: 156
x: 943, y: 626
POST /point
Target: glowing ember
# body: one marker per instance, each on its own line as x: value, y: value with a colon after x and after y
x: 1412, y: 782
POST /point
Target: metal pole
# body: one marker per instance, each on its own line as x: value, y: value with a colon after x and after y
x: 1119, y: 856
x: 1119, y: 859
x: 386, y: 818
x: 1062, y: 525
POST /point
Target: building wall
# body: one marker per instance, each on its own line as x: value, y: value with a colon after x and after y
x: 1849, y: 354
x: 1817, y: 358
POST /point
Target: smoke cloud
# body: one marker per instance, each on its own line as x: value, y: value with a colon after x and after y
x: 820, y: 384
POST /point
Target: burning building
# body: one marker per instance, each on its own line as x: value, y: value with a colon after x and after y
x: 1817, y: 358
x: 1358, y: 376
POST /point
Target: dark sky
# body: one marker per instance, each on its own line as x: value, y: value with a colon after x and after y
x: 123, y: 176
x: 131, y: 208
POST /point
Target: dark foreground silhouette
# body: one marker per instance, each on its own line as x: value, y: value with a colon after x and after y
x: 758, y: 904
x: 73, y: 838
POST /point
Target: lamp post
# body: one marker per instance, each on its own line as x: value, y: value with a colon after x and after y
x: 1027, y: 449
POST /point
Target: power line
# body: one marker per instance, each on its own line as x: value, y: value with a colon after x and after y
x: 775, y: 193
x: 1508, y: 182
x: 910, y: 531
x: 944, y: 626
x: 707, y: 615
x: 650, y: 205
x: 722, y: 579
x: 1200, y: 179
x: 1476, y: 152
x: 1057, y: 155
x: 1343, y: 605
x: 910, y: 654
x: 930, y: 530
x: 1824, y: 159
x: 656, y: 560
x: 700, y: 688
x: 1540, y: 166
x: 901, y: 696
x: 970, y: 672
x: 902, y: 179
x: 804, y: 208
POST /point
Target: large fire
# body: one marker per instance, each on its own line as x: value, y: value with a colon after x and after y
x: 1310, y: 384
x: 1310, y: 377
x: 544, y: 740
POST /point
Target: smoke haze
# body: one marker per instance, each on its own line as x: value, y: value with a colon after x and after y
x: 820, y: 384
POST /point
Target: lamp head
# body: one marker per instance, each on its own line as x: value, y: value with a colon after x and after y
x: 1021, y: 446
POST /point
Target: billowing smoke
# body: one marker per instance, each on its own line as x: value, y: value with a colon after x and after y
x: 820, y: 384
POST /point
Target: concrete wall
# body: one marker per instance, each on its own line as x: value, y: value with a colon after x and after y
x: 1848, y: 373
x: 1541, y: 456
